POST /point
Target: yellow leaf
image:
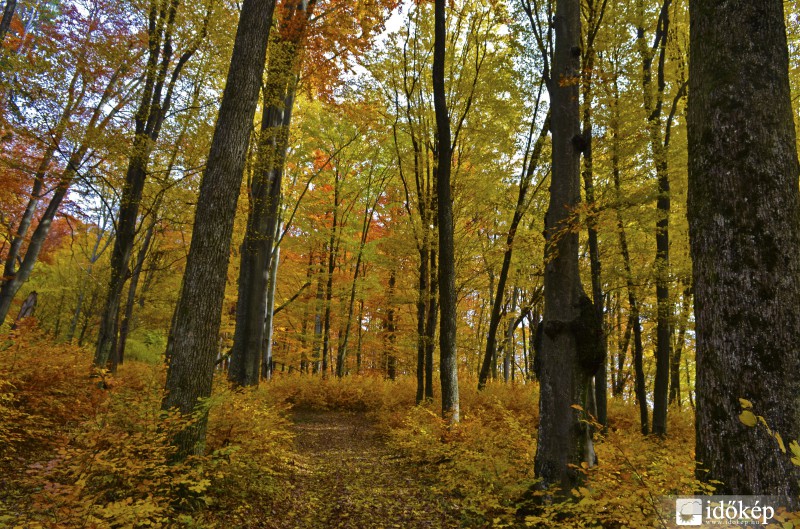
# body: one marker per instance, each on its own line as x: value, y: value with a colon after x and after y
x: 746, y: 404
x: 780, y: 442
x: 748, y: 418
x: 795, y: 448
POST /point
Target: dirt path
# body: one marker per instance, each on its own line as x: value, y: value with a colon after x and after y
x: 350, y: 479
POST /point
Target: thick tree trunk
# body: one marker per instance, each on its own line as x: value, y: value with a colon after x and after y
x: 265, y: 196
x: 744, y: 228
x: 448, y: 366
x: 195, y: 330
x: 563, y: 383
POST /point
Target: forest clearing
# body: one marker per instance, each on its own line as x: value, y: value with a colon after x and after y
x: 394, y: 263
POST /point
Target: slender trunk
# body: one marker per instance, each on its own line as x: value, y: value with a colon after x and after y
x: 587, y: 87
x: 319, y: 309
x: 448, y: 367
x: 638, y: 348
x: 519, y: 210
x: 659, y: 145
x: 365, y: 226
x: 269, y: 323
x: 153, y: 109
x: 326, y: 335
x: 8, y: 14
x: 192, y: 345
x: 430, y: 324
x: 423, y: 303
x: 675, y: 361
x: 391, y: 329
x: 134, y: 283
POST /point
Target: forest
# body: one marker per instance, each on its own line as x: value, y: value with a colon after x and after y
x: 399, y: 263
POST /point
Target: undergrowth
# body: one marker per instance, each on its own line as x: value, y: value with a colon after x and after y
x: 74, y: 455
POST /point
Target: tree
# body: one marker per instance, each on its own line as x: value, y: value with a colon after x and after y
x: 563, y: 371
x: 744, y: 227
x: 192, y: 346
x: 92, y: 56
x: 154, y: 107
x: 265, y: 193
x: 448, y: 367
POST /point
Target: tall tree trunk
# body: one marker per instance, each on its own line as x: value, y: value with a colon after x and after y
x: 423, y: 302
x: 596, y: 11
x: 659, y: 144
x: 265, y: 194
x: 675, y: 361
x: 366, y: 223
x: 744, y: 229
x: 319, y: 308
x: 563, y: 382
x: 448, y: 366
x: 269, y: 323
x: 391, y: 329
x: 432, y: 318
x: 633, y: 303
x: 332, y: 250
x: 195, y: 330
x: 153, y: 109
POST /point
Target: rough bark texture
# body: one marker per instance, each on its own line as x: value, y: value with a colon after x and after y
x: 193, y: 339
x: 448, y: 367
x: 154, y: 107
x: 265, y: 196
x: 562, y: 382
x: 596, y: 10
x: 744, y: 228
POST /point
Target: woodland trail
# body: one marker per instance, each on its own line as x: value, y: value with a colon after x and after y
x: 349, y: 478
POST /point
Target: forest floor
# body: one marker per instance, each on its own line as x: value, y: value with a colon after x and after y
x: 349, y: 478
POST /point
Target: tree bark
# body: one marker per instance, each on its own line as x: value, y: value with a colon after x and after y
x: 153, y: 109
x: 744, y: 229
x: 265, y: 195
x: 595, y: 18
x: 195, y: 330
x: 448, y: 366
x: 563, y: 384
